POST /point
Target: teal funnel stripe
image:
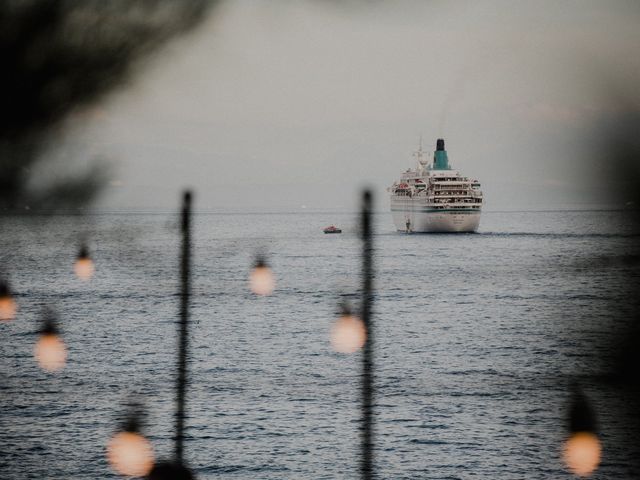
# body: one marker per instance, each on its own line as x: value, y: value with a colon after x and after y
x: 440, y: 160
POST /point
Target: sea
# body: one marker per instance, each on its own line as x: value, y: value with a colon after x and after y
x: 478, y: 339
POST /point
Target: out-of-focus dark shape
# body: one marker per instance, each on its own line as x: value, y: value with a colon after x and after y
x: 170, y: 471
x: 620, y: 149
x: 61, y: 56
x: 183, y: 326
x: 582, y: 417
x: 616, y: 145
x: 129, y: 452
x: 367, y: 464
x: 615, y: 163
x: 50, y: 351
x: 84, y: 266
x: 8, y: 305
x: 582, y: 450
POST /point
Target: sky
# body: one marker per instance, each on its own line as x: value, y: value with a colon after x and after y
x: 288, y: 105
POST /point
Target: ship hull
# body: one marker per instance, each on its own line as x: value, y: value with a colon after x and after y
x: 436, y: 222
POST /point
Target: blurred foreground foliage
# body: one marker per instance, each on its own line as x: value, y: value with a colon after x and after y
x: 60, y: 57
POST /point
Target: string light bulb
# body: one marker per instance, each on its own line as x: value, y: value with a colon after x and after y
x: 129, y: 452
x: 8, y: 305
x: 582, y: 451
x: 348, y: 334
x: 50, y: 351
x: 261, y: 279
x: 84, y: 266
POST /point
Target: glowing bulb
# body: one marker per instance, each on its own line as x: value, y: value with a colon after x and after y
x: 50, y: 352
x: 8, y: 305
x: 348, y: 334
x: 84, y: 267
x: 582, y: 453
x: 131, y: 454
x: 261, y: 279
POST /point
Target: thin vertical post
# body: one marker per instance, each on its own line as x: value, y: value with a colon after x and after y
x: 366, y: 466
x: 183, y: 337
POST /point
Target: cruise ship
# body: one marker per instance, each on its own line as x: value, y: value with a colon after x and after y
x: 434, y: 197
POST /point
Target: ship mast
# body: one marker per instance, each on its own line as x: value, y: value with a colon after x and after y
x: 422, y: 161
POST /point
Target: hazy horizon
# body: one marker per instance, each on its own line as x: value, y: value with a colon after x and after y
x: 302, y: 104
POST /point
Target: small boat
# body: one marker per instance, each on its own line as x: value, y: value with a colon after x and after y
x: 332, y: 229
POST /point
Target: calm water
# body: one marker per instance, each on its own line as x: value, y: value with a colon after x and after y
x: 478, y: 337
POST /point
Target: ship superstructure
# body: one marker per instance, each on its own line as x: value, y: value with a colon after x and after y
x: 434, y: 197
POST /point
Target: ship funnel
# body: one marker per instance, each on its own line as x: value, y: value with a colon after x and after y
x: 440, y: 159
